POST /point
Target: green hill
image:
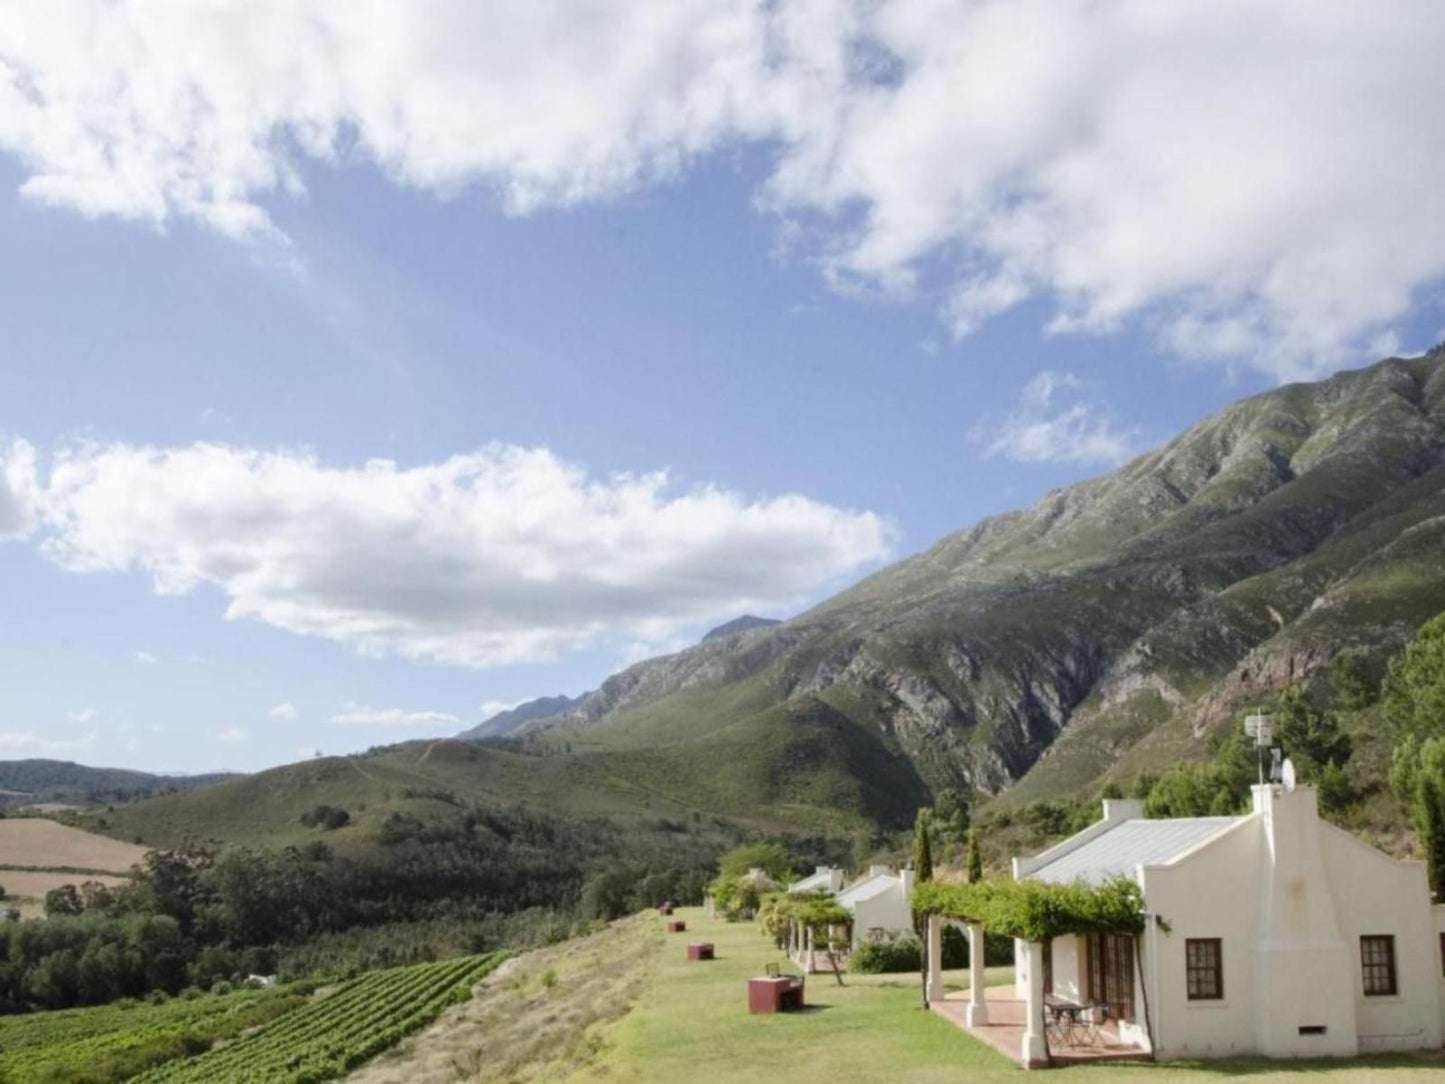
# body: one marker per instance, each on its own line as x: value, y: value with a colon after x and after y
x: 23, y: 782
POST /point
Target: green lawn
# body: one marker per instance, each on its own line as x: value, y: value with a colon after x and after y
x: 692, y: 1025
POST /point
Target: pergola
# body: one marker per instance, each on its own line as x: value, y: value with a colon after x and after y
x: 805, y: 919
x: 1031, y: 912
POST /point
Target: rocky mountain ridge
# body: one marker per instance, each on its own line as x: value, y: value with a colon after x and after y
x: 1116, y: 621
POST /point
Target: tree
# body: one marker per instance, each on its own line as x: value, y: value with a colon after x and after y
x: 1430, y: 823
x: 923, y: 847
x: 975, y: 858
x: 64, y: 900
x: 951, y: 815
x: 1309, y: 736
x: 1414, y: 687
x: 770, y: 857
x: 1354, y: 682
x: 922, y: 873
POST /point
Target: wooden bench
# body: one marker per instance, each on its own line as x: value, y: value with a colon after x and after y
x: 677, y: 926
x: 700, y: 950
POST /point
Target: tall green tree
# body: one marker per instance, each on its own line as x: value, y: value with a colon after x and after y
x: 1430, y: 822
x: 922, y: 871
x: 975, y: 858
x: 1309, y: 736
x: 1414, y: 688
x: 923, y: 846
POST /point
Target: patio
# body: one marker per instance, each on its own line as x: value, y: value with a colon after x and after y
x: 1005, y: 1030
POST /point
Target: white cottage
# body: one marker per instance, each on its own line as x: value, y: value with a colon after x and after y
x: 881, y: 900
x: 1273, y: 933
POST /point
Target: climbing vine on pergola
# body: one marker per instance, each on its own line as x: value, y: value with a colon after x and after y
x: 1037, y: 910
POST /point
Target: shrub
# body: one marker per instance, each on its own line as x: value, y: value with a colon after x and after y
x: 886, y: 952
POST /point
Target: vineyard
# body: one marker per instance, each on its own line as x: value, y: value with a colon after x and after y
x: 113, y: 1042
x: 337, y: 1032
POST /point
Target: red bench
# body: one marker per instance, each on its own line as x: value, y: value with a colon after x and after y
x: 676, y: 926
x: 700, y: 951
x: 665, y: 909
x: 781, y: 994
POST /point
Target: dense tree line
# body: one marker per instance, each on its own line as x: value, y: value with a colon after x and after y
x: 196, y: 916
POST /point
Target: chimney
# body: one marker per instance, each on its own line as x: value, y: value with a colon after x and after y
x: 820, y: 869
x: 877, y: 871
x: 1123, y: 809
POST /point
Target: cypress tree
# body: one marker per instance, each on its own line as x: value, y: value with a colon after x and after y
x: 975, y: 858
x: 922, y: 847
x: 922, y: 871
x: 1430, y: 821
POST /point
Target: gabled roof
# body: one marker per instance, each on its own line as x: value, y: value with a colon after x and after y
x: 867, y: 888
x: 813, y: 882
x: 1130, y: 844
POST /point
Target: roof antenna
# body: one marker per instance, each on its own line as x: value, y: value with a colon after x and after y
x: 1260, y: 727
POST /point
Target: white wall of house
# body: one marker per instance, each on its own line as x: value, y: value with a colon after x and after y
x: 1289, y: 896
x: 1212, y: 892
x: 1374, y: 894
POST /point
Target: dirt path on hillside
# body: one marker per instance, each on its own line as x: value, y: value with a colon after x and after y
x: 521, y: 1026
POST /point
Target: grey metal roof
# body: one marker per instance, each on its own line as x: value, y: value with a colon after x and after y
x: 868, y: 888
x: 811, y: 883
x: 1132, y: 844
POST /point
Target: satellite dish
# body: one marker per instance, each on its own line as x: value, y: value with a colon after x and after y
x: 1287, y: 774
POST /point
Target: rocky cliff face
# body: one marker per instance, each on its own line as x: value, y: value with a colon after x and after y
x: 1236, y: 558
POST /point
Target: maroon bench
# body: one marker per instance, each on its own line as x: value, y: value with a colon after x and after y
x: 781, y: 994
x: 676, y: 926
x: 700, y: 950
x: 665, y: 909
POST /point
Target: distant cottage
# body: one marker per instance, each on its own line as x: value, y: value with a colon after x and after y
x: 1274, y: 933
x: 879, y: 902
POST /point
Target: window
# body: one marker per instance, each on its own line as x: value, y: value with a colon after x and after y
x: 1204, y: 968
x: 1377, y: 962
x: 1109, y: 972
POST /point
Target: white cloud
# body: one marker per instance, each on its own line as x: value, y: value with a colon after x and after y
x: 145, y: 658
x: 503, y: 555
x: 491, y: 708
x: 23, y: 743
x: 17, y: 490
x: 1253, y: 181
x: 285, y: 712
x: 362, y: 715
x: 85, y: 715
x: 232, y: 734
x: 1054, y: 424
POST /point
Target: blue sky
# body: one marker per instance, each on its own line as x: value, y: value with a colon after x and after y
x: 835, y: 364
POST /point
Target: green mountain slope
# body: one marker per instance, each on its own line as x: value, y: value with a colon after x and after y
x: 1105, y: 631
x: 1037, y: 651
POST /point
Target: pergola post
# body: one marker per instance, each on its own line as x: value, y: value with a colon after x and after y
x: 977, y: 1014
x: 934, y: 989
x: 1033, y: 1050
x: 808, y: 950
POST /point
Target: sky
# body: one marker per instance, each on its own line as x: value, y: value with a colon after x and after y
x: 368, y: 368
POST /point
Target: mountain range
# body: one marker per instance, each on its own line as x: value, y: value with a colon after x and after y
x: 1108, y: 629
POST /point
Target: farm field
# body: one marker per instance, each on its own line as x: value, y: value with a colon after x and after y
x: 338, y: 1031
x: 37, y: 855
x: 44, y: 844
x: 113, y: 1042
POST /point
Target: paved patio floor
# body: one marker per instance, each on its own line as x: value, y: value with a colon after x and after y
x: 1005, y: 1030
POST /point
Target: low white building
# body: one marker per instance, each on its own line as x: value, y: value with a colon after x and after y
x: 879, y: 901
x: 1273, y: 933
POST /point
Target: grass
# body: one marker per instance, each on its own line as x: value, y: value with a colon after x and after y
x: 691, y: 1026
